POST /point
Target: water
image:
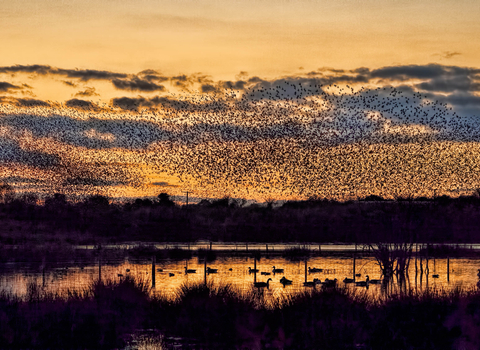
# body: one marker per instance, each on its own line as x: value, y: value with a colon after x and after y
x: 170, y: 274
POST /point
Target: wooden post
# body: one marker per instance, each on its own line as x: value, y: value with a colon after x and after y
x: 205, y: 270
x: 43, y: 271
x: 153, y: 271
x: 305, y: 270
x: 448, y: 269
x: 99, y: 268
x: 254, y: 269
x: 354, y: 258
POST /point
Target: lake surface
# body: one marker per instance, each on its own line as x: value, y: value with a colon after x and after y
x: 170, y: 274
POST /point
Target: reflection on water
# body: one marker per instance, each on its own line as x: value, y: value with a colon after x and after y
x: 170, y: 275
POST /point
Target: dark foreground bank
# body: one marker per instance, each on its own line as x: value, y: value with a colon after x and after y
x: 106, y: 315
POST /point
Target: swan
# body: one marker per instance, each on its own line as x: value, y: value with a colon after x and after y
x: 285, y: 281
x: 262, y: 284
x: 189, y: 270
x: 274, y: 270
x: 348, y: 280
x: 250, y: 270
x: 314, y: 270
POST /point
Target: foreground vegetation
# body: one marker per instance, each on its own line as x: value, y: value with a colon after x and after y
x: 368, y: 220
x: 107, y: 314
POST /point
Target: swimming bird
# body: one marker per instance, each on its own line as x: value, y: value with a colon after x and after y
x: 436, y: 276
x: 312, y: 283
x: 250, y: 270
x: 314, y: 270
x: 119, y: 275
x: 374, y: 281
x: 265, y: 273
x: 171, y: 274
x: 262, y: 284
x: 210, y: 270
x: 190, y: 270
x: 285, y: 281
x: 362, y: 283
x: 274, y: 270
x: 128, y: 270
x: 329, y: 283
x: 348, y: 280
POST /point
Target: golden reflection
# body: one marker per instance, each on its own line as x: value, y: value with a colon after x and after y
x: 170, y: 275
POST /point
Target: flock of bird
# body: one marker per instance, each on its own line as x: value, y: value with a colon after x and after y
x: 288, y: 141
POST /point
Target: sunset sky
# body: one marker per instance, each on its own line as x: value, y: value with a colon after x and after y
x: 128, y: 94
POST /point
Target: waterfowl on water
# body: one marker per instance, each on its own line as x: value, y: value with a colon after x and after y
x: 274, y: 270
x: 128, y: 270
x: 210, y: 270
x: 348, y: 280
x: 312, y: 283
x: 358, y: 275
x: 363, y: 283
x: 119, y: 275
x: 171, y: 274
x: 329, y: 282
x: 250, y: 270
x: 314, y: 270
x: 285, y: 281
x: 265, y: 273
x: 189, y: 270
x: 262, y: 284
x: 374, y: 281
x: 435, y: 276
x: 159, y: 270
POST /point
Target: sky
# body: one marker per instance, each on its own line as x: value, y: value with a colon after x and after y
x: 253, y: 99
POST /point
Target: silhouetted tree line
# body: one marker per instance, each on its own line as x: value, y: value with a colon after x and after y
x: 371, y: 219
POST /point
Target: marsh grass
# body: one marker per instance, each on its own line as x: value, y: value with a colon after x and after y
x: 111, y: 314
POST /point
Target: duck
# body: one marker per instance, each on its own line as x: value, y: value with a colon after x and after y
x: 190, y: 270
x: 265, y: 273
x: 314, y: 270
x: 312, y: 283
x: 119, y: 275
x: 170, y: 274
x: 436, y: 276
x: 285, y: 281
x: 358, y: 275
x: 363, y: 283
x: 250, y: 270
x: 210, y: 270
x: 348, y: 280
x: 159, y: 270
x: 128, y: 270
x: 274, y: 270
x: 262, y: 284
